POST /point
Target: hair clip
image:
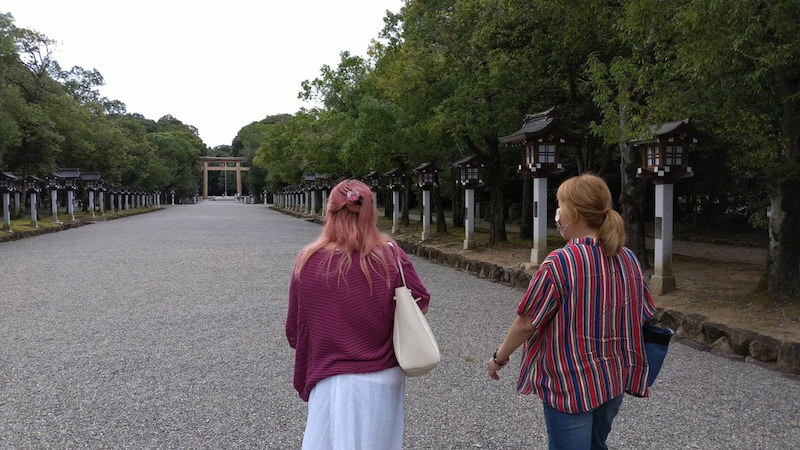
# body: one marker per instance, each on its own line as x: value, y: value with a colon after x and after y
x: 354, y: 198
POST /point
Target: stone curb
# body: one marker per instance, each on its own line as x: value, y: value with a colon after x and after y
x: 691, y: 329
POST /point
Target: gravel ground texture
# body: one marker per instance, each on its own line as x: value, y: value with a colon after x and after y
x: 166, y: 330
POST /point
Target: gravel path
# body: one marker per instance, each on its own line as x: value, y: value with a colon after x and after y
x: 165, y: 330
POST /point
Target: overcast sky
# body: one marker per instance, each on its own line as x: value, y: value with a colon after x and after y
x: 216, y: 65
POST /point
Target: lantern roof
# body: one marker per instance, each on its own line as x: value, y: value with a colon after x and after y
x: 541, y: 124
x: 680, y: 128
x: 395, y: 172
x: 90, y: 176
x: 10, y: 176
x: 426, y: 167
x: 68, y: 173
x: 469, y: 161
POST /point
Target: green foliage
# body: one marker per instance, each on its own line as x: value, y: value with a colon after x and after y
x: 51, y: 118
x: 444, y: 79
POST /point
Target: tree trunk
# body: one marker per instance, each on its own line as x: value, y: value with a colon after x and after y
x: 631, y: 197
x: 526, y: 220
x: 405, y: 200
x: 494, y: 181
x: 441, y: 222
x: 458, y: 206
x: 388, y: 208
x: 783, y: 261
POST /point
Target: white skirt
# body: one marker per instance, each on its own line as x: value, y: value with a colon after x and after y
x: 357, y: 411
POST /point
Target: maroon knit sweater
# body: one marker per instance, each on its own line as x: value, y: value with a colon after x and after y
x: 343, y: 327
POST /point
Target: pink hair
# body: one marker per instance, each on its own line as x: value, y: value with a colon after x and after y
x: 351, y: 225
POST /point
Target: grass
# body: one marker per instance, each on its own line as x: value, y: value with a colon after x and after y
x: 456, y: 236
x: 22, y: 226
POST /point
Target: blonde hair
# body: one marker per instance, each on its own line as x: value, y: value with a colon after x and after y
x: 351, y: 225
x: 589, y: 195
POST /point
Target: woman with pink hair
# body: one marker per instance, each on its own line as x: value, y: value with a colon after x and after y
x: 340, y: 319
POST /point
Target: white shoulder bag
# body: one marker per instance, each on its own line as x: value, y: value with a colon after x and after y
x: 415, y: 346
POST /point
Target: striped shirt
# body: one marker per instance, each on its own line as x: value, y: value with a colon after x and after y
x: 587, y: 309
x: 344, y: 326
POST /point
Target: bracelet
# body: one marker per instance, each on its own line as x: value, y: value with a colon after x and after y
x: 494, y: 358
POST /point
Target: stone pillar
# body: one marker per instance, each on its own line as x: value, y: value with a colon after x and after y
x: 34, y: 212
x: 469, y: 219
x: 395, y: 211
x: 91, y: 202
x: 54, y: 205
x: 102, y: 201
x: 7, y: 211
x: 539, y: 250
x: 324, y: 203
x: 313, y: 195
x: 426, y: 215
x: 662, y: 281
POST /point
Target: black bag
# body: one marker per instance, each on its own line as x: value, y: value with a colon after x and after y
x: 656, y: 344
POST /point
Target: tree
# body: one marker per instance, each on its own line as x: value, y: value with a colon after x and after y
x: 736, y: 59
x: 177, y: 163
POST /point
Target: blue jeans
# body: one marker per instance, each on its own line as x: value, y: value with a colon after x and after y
x: 580, y: 431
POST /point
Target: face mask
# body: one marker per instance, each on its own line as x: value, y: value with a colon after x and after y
x: 562, y: 229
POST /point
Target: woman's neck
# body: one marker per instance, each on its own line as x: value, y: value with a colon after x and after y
x: 580, y: 229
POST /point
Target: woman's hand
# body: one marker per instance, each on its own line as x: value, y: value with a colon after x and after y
x: 493, y: 368
x: 520, y: 330
x: 495, y: 364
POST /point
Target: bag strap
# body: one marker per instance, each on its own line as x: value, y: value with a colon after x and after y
x: 399, y: 264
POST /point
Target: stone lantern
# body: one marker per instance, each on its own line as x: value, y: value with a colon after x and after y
x: 8, y: 183
x: 297, y: 193
x: 113, y: 195
x: 53, y: 182
x: 287, y: 197
x: 397, y: 180
x: 101, y: 187
x: 17, y: 188
x: 469, y: 176
x: 665, y: 159
x: 373, y: 180
x: 70, y: 179
x: 541, y: 137
x: 90, y: 181
x: 427, y: 179
x: 125, y: 197
x: 33, y: 185
x: 310, y: 193
x: 323, y: 183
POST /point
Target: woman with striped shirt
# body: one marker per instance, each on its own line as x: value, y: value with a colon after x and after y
x: 339, y: 321
x: 580, y: 322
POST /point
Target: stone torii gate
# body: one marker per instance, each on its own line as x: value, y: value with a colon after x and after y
x: 220, y: 163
